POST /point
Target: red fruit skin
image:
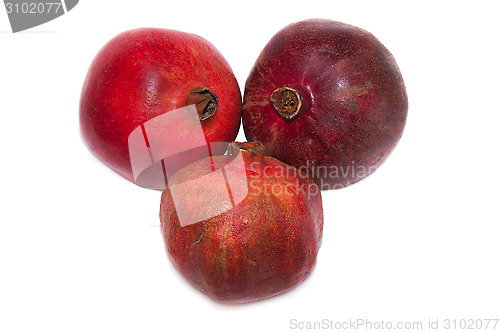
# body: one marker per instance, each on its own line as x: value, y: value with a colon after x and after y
x: 262, y: 247
x: 354, y: 101
x: 144, y: 73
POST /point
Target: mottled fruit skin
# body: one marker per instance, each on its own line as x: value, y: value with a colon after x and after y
x: 144, y: 73
x: 353, y: 101
x: 263, y: 246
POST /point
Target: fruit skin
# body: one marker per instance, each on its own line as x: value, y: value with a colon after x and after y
x: 263, y: 246
x: 144, y: 73
x: 353, y: 101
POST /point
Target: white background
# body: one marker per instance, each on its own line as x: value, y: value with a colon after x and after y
x: 81, y: 248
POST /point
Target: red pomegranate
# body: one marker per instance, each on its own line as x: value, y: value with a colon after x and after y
x: 327, y: 98
x: 242, y: 227
x: 153, y: 101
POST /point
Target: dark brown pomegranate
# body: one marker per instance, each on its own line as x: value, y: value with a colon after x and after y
x: 242, y: 227
x: 328, y: 98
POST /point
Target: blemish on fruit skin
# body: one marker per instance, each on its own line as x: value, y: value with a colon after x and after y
x: 200, y: 237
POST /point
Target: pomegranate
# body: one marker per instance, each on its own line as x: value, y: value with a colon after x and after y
x: 242, y: 227
x: 134, y: 85
x: 327, y: 98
